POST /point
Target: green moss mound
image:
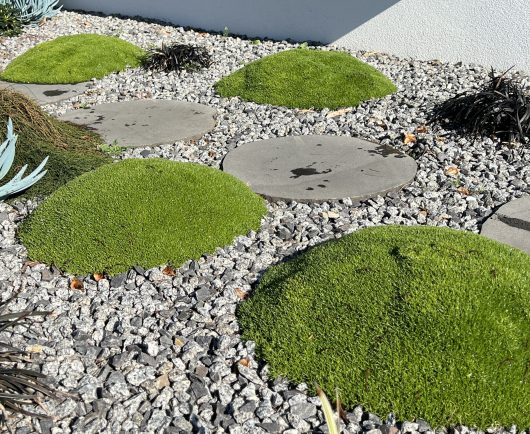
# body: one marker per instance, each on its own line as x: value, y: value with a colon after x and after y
x: 307, y: 79
x: 426, y: 322
x: 73, y: 59
x: 140, y: 212
x: 72, y: 149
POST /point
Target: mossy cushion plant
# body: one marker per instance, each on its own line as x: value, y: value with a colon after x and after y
x: 72, y: 149
x: 73, y: 59
x: 425, y: 322
x: 140, y: 212
x: 305, y: 79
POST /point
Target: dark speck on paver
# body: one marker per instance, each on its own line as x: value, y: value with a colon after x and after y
x: 55, y: 92
x: 321, y: 185
x: 307, y: 171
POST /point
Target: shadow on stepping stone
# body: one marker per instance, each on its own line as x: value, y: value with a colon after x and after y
x: 319, y: 168
x: 46, y: 93
x: 511, y: 224
x: 146, y: 122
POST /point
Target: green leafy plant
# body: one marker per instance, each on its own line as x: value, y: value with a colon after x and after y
x: 112, y: 149
x: 10, y: 22
x: 33, y: 11
x: 7, y: 156
x: 501, y: 107
x: 177, y: 57
x: 19, y: 387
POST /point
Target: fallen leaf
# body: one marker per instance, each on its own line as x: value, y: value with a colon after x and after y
x: 30, y: 263
x: 169, y: 271
x: 241, y: 294
x: 98, y: 276
x: 452, y: 171
x: 422, y: 129
x: 76, y: 283
x: 339, y: 112
x: 409, y: 138
x: 245, y: 362
x: 464, y: 191
x: 34, y: 349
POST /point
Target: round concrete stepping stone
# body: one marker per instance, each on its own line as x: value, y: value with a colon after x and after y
x: 318, y: 168
x: 146, y: 122
x: 47, y: 93
x: 511, y: 224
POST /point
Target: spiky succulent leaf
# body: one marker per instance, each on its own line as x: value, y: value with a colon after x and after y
x: 33, y: 11
x: 7, y: 155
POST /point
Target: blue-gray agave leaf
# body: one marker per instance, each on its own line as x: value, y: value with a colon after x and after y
x: 7, y: 156
x: 33, y: 11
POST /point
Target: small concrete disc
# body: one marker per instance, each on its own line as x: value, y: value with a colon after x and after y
x: 511, y: 224
x: 319, y: 168
x: 146, y: 122
x: 46, y: 93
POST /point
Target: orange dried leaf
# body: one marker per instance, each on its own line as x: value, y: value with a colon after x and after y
x: 464, y: 191
x: 409, y: 138
x: 76, y: 284
x: 169, y: 271
x: 241, y: 294
x: 245, y: 362
x: 452, y: 171
x: 422, y: 129
x: 98, y: 276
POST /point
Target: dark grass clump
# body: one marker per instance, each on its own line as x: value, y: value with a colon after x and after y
x: 72, y: 149
x: 425, y: 322
x: 19, y: 387
x: 501, y: 108
x: 177, y: 57
x: 10, y: 22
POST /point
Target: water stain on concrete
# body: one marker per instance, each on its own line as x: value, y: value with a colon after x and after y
x: 56, y: 92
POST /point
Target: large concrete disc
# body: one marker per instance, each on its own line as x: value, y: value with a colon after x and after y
x: 511, y: 224
x: 318, y: 168
x: 47, y: 93
x: 146, y: 122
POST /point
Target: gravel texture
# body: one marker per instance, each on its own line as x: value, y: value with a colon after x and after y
x: 151, y: 352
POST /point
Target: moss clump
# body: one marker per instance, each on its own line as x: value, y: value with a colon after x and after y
x: 73, y: 59
x: 140, y: 212
x: 425, y: 322
x: 73, y: 150
x: 305, y: 79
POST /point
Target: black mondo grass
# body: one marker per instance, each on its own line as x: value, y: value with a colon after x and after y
x: 177, y: 57
x: 500, y: 108
x: 19, y: 387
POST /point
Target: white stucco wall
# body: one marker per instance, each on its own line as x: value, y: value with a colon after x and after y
x: 489, y: 32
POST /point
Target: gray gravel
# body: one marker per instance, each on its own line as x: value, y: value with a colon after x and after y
x: 147, y: 352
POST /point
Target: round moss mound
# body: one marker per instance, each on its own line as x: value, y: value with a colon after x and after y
x: 140, y: 212
x: 306, y: 79
x: 425, y: 322
x: 73, y: 59
x: 72, y: 149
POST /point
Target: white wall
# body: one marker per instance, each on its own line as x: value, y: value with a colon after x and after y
x: 489, y: 32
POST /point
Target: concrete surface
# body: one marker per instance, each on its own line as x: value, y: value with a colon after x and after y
x: 47, y: 93
x: 511, y: 224
x: 488, y: 32
x: 146, y: 122
x: 318, y: 168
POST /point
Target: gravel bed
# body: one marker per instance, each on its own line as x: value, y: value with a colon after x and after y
x: 149, y: 352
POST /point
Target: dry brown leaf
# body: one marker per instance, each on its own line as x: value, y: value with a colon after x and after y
x: 76, y: 284
x: 98, y: 276
x: 409, y: 138
x: 30, y: 263
x: 422, y: 129
x: 169, y: 271
x: 245, y: 362
x: 241, y: 294
x: 464, y: 191
x: 34, y: 349
x: 452, y: 171
x: 339, y: 112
